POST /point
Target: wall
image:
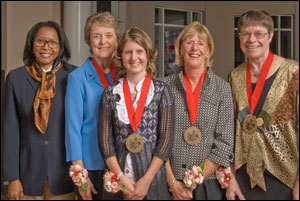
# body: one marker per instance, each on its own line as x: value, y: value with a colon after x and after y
x: 218, y: 17
x: 17, y: 19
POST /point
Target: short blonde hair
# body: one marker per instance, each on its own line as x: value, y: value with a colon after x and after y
x: 140, y: 37
x: 102, y: 18
x: 192, y: 29
x: 256, y: 17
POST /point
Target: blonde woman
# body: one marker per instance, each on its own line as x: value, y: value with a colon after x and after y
x: 204, y: 128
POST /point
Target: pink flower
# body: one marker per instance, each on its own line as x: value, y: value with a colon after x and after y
x: 193, y: 177
x: 79, y: 176
x: 111, y: 184
x: 223, y: 176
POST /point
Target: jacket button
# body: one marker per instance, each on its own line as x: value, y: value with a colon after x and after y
x: 183, y: 165
x: 47, y: 142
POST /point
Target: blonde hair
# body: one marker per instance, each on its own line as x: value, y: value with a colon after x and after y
x: 103, y: 18
x: 256, y: 17
x: 140, y: 37
x: 192, y: 29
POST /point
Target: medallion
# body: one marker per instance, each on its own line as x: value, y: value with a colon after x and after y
x: 134, y: 143
x: 259, y: 121
x: 192, y: 136
x: 250, y: 124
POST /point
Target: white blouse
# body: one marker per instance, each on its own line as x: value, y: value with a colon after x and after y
x: 123, y: 116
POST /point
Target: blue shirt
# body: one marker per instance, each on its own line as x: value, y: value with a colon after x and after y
x: 84, y: 91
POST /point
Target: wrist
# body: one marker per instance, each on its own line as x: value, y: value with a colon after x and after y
x: 172, y: 184
x: 119, y: 175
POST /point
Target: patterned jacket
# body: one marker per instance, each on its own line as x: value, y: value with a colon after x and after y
x: 215, y: 119
x: 156, y: 128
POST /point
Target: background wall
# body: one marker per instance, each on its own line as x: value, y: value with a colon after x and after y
x: 19, y: 16
x: 17, y: 19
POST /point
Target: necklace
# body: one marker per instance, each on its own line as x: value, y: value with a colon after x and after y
x: 256, y: 74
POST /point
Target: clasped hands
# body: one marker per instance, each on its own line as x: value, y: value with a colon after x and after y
x: 135, y: 191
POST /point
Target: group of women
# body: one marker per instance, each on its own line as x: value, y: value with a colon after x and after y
x: 112, y: 113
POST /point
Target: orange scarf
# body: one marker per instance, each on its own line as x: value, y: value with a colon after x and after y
x: 46, y: 91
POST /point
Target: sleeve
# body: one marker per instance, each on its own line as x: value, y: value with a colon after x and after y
x: 222, y: 148
x: 11, y: 133
x: 74, y: 119
x: 105, y: 132
x: 166, y: 121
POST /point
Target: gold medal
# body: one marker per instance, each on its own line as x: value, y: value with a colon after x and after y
x: 134, y: 143
x: 192, y: 136
x: 250, y: 124
x: 259, y: 121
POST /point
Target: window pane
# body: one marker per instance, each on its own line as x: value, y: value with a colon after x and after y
x: 171, y: 33
x: 285, y: 44
x: 239, y: 57
x: 285, y: 22
x: 274, y: 43
x: 175, y: 17
x: 197, y: 17
x: 275, y: 19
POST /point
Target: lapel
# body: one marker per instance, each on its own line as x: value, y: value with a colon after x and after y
x: 32, y: 82
x: 91, y: 73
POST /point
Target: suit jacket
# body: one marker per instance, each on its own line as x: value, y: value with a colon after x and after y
x: 29, y: 155
x: 215, y: 119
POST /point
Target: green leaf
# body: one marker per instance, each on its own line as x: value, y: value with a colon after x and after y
x: 84, y: 187
x: 202, y: 165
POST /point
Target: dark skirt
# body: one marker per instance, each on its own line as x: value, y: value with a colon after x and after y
x: 276, y: 190
x: 209, y: 190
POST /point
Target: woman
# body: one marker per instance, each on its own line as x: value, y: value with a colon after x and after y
x: 85, y: 87
x: 267, y: 134
x: 136, y: 122
x: 204, y: 115
x: 34, y: 126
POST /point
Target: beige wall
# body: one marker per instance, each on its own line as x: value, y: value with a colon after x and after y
x: 17, y: 19
x: 218, y: 17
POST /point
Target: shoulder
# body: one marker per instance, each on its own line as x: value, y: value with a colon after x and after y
x: 291, y: 65
x: 217, y: 80
x: 238, y: 70
x: 68, y: 67
x: 17, y: 73
x: 171, y: 78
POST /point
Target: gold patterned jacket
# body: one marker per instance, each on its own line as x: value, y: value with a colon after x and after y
x: 274, y: 146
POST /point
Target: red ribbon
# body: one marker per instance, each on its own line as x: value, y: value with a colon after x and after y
x: 101, y: 74
x: 193, y: 99
x: 135, y: 117
x: 253, y: 98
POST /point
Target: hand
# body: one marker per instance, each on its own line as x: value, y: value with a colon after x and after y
x: 141, y: 189
x: 180, y: 192
x: 234, y: 190
x: 87, y: 195
x: 15, y: 190
x: 129, y: 185
x: 296, y: 191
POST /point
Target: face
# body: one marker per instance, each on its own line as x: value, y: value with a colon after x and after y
x: 46, y: 46
x: 103, y: 41
x: 134, y: 58
x: 194, y: 51
x: 255, y: 41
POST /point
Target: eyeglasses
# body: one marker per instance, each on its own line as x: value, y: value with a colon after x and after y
x: 200, y: 45
x: 257, y: 35
x: 42, y: 43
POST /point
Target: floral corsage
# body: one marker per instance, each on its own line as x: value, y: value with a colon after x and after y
x: 79, y: 175
x: 194, y: 177
x: 223, y: 175
x: 112, y: 184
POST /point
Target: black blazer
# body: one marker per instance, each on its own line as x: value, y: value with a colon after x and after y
x: 29, y: 155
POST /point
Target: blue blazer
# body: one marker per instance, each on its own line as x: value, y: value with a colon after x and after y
x: 29, y: 155
x: 83, y: 95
